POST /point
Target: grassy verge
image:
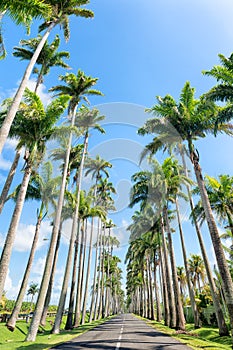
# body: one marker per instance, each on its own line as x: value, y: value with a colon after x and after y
x: 45, y: 340
x: 202, y: 338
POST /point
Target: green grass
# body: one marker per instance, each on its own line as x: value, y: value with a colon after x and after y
x: 45, y: 340
x: 202, y: 338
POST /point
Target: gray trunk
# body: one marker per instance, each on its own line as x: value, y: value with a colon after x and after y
x: 62, y: 300
x: 10, y: 238
x: 9, y: 179
x: 4, y: 131
x: 13, y: 318
x: 32, y: 332
x: 219, y: 253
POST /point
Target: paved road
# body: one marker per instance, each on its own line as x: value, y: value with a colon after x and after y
x: 124, y: 332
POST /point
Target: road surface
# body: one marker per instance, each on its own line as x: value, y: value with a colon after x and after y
x: 123, y: 332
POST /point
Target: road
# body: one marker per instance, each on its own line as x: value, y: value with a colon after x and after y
x: 123, y: 332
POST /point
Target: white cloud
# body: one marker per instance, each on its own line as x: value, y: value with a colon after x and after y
x: 44, y: 96
x: 25, y: 234
x: 4, y: 163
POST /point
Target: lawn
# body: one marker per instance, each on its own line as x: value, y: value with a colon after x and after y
x: 45, y: 340
x: 202, y: 338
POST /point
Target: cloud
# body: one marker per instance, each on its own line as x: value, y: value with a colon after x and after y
x: 25, y: 234
x: 44, y: 96
x: 4, y: 163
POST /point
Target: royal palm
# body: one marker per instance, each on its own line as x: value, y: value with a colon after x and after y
x: 192, y: 119
x: 59, y: 15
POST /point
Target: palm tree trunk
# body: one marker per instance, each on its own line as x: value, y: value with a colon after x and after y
x: 88, y: 273
x: 191, y: 293
x: 32, y: 332
x: 156, y: 288
x: 62, y: 300
x: 9, y: 179
x: 171, y: 301
x: 219, y: 253
x: 95, y: 274
x: 102, y: 299
x: 98, y: 278
x: 223, y: 329
x: 69, y: 321
x: 166, y: 309
x: 80, y: 273
x: 180, y: 320
x: 151, y: 301
x: 4, y: 131
x: 7, y: 249
x: 13, y: 318
x: 51, y: 281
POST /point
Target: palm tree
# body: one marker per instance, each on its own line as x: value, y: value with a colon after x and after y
x: 22, y: 13
x: 85, y: 120
x: 44, y: 188
x: 77, y: 86
x: 59, y: 15
x: 223, y: 91
x: 48, y: 57
x: 192, y: 119
x: 220, y: 194
x: 197, y: 269
x: 33, y: 290
x: 35, y: 126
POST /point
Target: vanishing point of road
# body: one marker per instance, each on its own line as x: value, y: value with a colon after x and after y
x: 123, y: 332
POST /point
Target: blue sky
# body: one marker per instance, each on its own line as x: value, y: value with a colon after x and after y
x: 138, y: 49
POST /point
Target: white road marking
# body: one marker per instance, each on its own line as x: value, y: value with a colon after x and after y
x: 119, y: 339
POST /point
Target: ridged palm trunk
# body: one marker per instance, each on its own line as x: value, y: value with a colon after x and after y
x: 69, y: 320
x: 10, y: 238
x: 187, y: 272
x: 180, y: 320
x: 96, y: 310
x: 227, y: 282
x: 95, y: 275
x: 102, y: 299
x: 151, y: 300
x: 13, y: 318
x: 31, y: 336
x: 171, y: 301
x: 4, y: 131
x: 156, y: 289
x: 77, y: 314
x: 223, y: 329
x: 51, y: 281
x: 62, y: 300
x: 83, y: 267
x: 88, y: 273
x: 166, y: 309
x: 9, y: 179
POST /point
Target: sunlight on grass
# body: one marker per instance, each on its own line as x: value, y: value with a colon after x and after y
x: 15, y: 340
x: 202, y: 338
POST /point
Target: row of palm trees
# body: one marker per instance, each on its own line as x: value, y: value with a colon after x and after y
x: 25, y: 118
x: 175, y: 127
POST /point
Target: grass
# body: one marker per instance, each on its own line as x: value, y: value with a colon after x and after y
x: 45, y: 340
x: 202, y: 338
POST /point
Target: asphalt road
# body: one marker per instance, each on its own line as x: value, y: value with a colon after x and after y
x: 123, y: 332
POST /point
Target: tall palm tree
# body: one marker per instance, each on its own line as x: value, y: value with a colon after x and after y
x: 223, y: 91
x: 22, y: 13
x: 48, y: 57
x: 85, y: 119
x: 220, y: 194
x: 59, y: 15
x: 36, y: 125
x: 43, y: 188
x: 192, y: 119
x: 77, y: 87
x: 32, y: 290
x: 197, y: 269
